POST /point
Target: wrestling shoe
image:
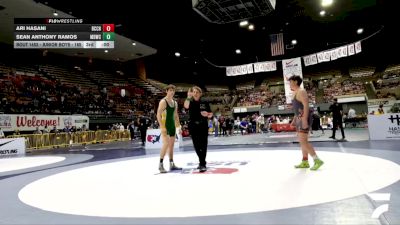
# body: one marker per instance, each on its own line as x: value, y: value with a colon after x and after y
x: 317, y: 164
x: 302, y: 165
x: 172, y: 166
x: 161, y: 168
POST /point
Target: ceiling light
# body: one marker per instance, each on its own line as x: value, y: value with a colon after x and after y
x: 243, y: 23
x: 177, y: 54
x: 251, y: 27
x: 106, y: 51
x: 294, y: 41
x: 360, y: 31
x: 322, y: 13
x: 55, y: 13
x: 133, y: 43
x: 325, y: 3
x: 238, y: 51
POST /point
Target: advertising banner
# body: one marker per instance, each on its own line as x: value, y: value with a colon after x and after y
x: 290, y: 67
x: 12, y: 146
x: 384, y: 126
x: 154, y: 140
x: 29, y: 122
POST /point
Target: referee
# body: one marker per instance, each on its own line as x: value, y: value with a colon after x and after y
x: 199, y: 113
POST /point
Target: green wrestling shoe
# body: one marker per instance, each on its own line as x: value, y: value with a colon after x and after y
x: 304, y: 164
x: 317, y: 164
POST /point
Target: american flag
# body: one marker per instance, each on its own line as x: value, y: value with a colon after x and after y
x: 277, y: 46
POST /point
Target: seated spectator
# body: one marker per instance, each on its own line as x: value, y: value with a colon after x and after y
x: 16, y: 132
x: 351, y: 113
x: 37, y: 131
x: 45, y: 130
x: 54, y: 130
x: 380, y: 110
x: 243, y: 125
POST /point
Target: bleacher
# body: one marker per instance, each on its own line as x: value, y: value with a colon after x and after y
x: 66, y: 76
x: 245, y: 86
x: 388, y: 84
x: 146, y: 86
x: 217, y: 88
x: 362, y: 71
x: 156, y: 83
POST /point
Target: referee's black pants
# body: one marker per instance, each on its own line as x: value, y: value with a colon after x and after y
x: 199, y: 133
x: 337, y: 122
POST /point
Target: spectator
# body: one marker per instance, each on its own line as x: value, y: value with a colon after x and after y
x: 45, y: 130
x: 350, y: 117
x: 144, y: 123
x: 37, y: 131
x: 337, y: 113
x: 351, y: 113
x: 121, y: 127
x: 316, y: 124
x: 131, y: 127
x: 243, y: 126
x: 54, y: 130
x: 380, y: 110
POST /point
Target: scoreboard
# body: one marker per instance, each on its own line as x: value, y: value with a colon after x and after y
x: 61, y: 33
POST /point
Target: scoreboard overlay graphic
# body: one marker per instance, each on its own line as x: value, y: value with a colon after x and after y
x: 62, y: 33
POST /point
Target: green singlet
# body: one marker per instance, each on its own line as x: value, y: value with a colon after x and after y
x: 170, y: 119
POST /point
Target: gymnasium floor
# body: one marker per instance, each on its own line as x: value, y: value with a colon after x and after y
x: 250, y: 180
